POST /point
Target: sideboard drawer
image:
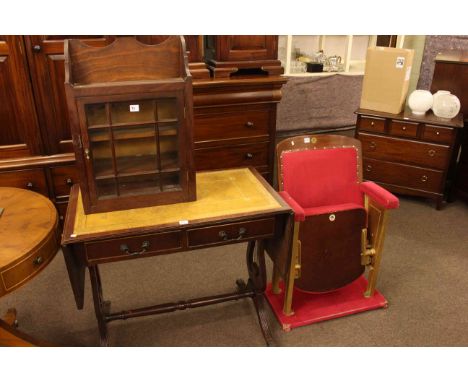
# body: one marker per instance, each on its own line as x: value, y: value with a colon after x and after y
x: 231, y: 156
x: 242, y: 123
x: 233, y: 232
x: 417, y: 153
x: 133, y: 246
x: 403, y: 175
x: 438, y: 134
x: 63, y: 177
x: 376, y: 125
x: 33, y: 180
x: 403, y: 129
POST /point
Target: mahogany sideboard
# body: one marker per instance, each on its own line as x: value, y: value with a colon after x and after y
x: 234, y: 117
x: 409, y: 154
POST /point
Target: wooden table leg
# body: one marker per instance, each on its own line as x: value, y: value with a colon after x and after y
x: 258, y: 281
x: 99, y: 304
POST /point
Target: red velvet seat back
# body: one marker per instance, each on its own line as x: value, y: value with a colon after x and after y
x: 322, y: 177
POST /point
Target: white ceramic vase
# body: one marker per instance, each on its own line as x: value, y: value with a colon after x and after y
x: 420, y: 101
x: 445, y: 105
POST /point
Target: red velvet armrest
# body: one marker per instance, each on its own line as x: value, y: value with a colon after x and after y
x: 380, y: 195
x: 299, y: 214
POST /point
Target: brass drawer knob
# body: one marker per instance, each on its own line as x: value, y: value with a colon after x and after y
x: 431, y: 153
x: 38, y: 260
x: 404, y: 128
x: 69, y: 182
x: 144, y: 247
x: 372, y: 123
x: 30, y: 185
x: 223, y: 235
x: 424, y: 178
x: 37, y: 48
x: 437, y: 132
x: 369, y: 168
x: 249, y: 155
x: 249, y: 124
x: 242, y: 232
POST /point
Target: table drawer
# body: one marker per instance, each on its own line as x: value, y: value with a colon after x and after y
x: 403, y: 175
x: 404, y: 129
x: 411, y: 152
x: 63, y: 177
x: 25, y: 269
x: 241, y: 123
x: 231, y: 156
x: 133, y: 246
x: 233, y: 232
x: 438, y: 134
x: 33, y: 180
x: 376, y: 125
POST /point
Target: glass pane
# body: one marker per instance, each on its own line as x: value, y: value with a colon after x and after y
x: 169, y: 153
x: 101, y: 153
x: 106, y: 188
x: 96, y: 115
x: 171, y: 181
x: 132, y: 112
x: 134, y: 132
x: 136, y: 156
x: 167, y: 109
x: 139, y: 184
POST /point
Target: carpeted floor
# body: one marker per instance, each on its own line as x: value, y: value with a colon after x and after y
x: 424, y: 277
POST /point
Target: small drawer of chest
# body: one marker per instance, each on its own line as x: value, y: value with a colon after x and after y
x: 406, y: 151
x: 231, y: 156
x: 63, y: 177
x: 238, y: 123
x: 133, y: 246
x: 403, y: 175
x: 372, y: 124
x: 404, y: 129
x: 438, y: 134
x: 33, y: 180
x: 234, y: 232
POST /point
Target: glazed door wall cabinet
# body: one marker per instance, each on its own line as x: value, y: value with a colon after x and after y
x: 131, y: 123
x: 19, y: 132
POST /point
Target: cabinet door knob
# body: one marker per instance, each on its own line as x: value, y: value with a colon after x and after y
x: 69, y: 182
x: 424, y: 178
x: 37, y: 48
x: 249, y: 155
x: 404, y: 128
x: 249, y: 124
x: 369, y: 168
x: 86, y: 152
x: 30, y: 185
x: 431, y: 153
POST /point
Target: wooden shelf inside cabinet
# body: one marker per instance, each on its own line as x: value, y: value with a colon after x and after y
x: 130, y: 108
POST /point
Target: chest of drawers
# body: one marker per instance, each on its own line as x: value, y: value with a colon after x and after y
x: 408, y: 154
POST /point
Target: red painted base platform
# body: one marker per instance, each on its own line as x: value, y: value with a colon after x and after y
x: 310, y: 308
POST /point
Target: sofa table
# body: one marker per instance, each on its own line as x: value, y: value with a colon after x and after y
x: 232, y: 206
x: 29, y: 240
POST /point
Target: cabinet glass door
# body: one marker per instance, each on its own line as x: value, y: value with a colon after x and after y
x: 134, y: 147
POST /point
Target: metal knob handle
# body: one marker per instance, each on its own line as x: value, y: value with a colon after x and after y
x: 431, y: 153
x: 437, y: 132
x: 249, y: 155
x: 404, y: 128
x: 424, y: 178
x: 38, y: 260
x: 69, y: 182
x: 242, y: 232
x: 223, y: 235
x: 249, y: 124
x: 369, y: 168
x: 30, y: 185
x: 37, y: 48
x: 144, y: 247
x: 372, y: 123
x: 86, y: 151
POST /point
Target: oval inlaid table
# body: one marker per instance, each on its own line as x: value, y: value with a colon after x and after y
x: 29, y: 240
